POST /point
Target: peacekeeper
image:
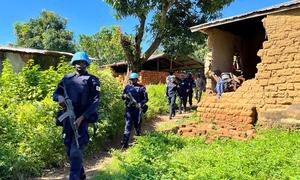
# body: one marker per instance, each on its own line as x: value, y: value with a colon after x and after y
x: 83, y: 89
x: 190, y: 84
x: 136, y: 98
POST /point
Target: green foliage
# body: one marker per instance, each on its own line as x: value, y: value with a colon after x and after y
x: 48, y: 31
x: 169, y: 25
x: 184, y: 14
x: 111, y: 109
x: 157, y: 101
x: 104, y: 45
x: 201, y: 52
x: 30, y: 140
x: 273, y: 154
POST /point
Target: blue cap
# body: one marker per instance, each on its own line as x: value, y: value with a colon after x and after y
x: 80, y: 56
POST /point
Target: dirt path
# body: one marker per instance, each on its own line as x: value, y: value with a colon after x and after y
x: 94, y: 164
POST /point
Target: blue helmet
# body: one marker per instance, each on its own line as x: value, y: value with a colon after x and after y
x: 133, y: 76
x: 81, y: 56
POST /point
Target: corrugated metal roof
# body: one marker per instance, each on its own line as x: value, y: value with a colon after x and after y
x: 294, y: 4
x: 37, y: 51
x: 33, y: 51
x: 124, y: 63
x: 185, y: 61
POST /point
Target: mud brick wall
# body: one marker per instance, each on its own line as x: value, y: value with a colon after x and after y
x: 152, y: 77
x: 279, y: 72
x: 276, y: 84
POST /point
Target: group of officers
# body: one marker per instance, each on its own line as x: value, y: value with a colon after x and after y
x: 79, y: 94
x: 182, y: 87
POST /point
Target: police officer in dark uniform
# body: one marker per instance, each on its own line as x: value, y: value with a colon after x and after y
x: 137, y: 93
x: 190, y: 83
x: 171, y: 93
x: 83, y: 89
x: 182, y: 93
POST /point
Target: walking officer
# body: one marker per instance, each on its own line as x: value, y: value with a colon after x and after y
x: 82, y: 90
x: 182, y: 94
x: 171, y: 93
x: 136, y: 98
x: 200, y: 83
x: 190, y: 83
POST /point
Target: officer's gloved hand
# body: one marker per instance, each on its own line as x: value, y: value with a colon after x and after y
x: 139, y: 105
x: 124, y: 96
x: 61, y: 101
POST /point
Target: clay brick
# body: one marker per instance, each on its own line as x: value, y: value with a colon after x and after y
x: 264, y: 75
x: 270, y: 101
x: 284, y: 100
x: 294, y: 34
x: 247, y: 113
x: 291, y: 49
x: 293, y: 93
x: 297, y: 100
x: 285, y: 72
x: 282, y: 87
x: 263, y: 82
x: 296, y: 64
x: 297, y: 57
x: 290, y: 86
x: 297, y: 86
x: 285, y: 43
x: 296, y: 78
x: 267, y: 44
x: 261, y: 52
x: 279, y: 80
x: 297, y: 71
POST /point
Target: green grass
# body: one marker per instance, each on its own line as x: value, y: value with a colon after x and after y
x: 273, y: 154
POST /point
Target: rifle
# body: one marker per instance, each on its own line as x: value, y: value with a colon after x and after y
x: 133, y: 102
x: 70, y: 115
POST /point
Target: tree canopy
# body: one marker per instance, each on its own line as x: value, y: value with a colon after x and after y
x: 48, y: 31
x: 104, y: 45
x: 169, y: 25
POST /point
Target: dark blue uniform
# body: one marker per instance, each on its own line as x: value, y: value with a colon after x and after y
x: 83, y: 90
x: 132, y: 114
x: 171, y: 93
x: 182, y: 95
x: 190, y: 84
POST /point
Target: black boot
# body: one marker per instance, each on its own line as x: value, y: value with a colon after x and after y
x: 125, y: 142
x: 124, y: 145
x: 82, y: 176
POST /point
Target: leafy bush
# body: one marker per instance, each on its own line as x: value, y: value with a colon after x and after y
x: 273, y: 154
x: 157, y: 101
x: 30, y: 140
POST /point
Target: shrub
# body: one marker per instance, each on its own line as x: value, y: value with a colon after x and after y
x: 157, y: 101
x: 30, y: 140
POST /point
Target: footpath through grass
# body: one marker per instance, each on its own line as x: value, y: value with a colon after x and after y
x: 273, y: 154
